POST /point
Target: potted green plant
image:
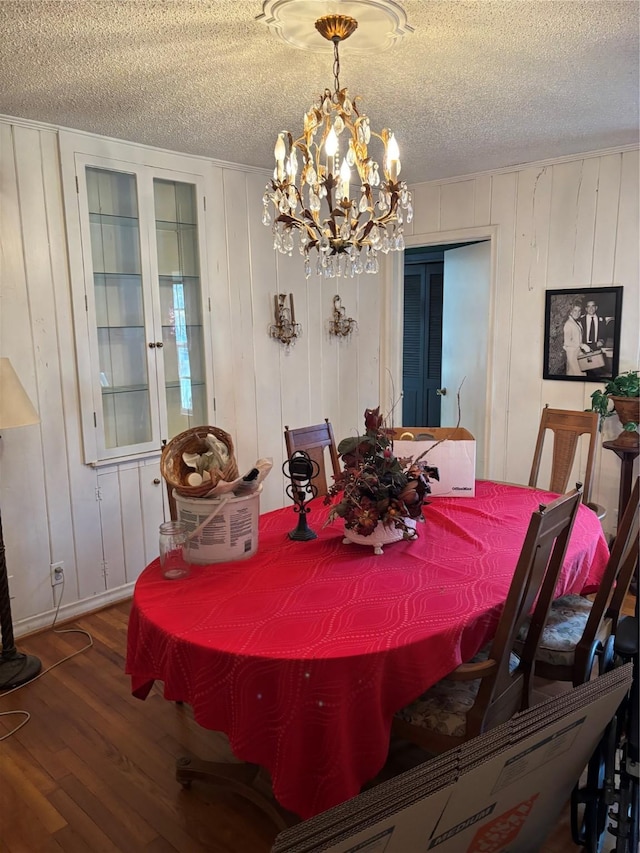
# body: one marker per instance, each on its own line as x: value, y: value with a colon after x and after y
x: 620, y: 396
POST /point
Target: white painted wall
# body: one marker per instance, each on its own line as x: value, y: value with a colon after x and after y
x: 553, y: 225
x: 569, y: 223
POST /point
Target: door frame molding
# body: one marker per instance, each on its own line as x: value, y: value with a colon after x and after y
x: 391, y: 319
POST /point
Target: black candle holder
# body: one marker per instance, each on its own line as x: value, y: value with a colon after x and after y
x: 300, y: 468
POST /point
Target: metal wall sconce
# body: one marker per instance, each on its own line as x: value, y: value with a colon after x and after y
x: 285, y: 329
x: 340, y: 325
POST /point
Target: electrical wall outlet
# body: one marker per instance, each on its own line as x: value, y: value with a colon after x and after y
x: 57, y: 573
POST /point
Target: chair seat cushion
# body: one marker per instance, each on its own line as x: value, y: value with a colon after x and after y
x: 443, y: 708
x: 564, y: 628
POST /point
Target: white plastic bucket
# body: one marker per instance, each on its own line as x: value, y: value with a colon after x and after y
x: 232, y: 534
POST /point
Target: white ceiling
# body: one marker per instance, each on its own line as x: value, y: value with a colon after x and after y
x: 478, y: 85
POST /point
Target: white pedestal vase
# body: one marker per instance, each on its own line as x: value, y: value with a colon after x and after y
x: 383, y: 534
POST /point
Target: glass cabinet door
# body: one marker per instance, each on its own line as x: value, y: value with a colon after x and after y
x: 140, y: 318
x: 118, y: 293
x: 176, y: 230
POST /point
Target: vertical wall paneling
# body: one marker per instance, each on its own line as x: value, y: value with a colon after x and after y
x: 457, y: 205
x: 604, y: 240
x: 23, y: 495
x: 80, y: 553
x: 241, y: 353
x: 330, y: 352
x: 426, y: 208
x: 113, y: 532
x: 129, y: 498
x: 503, y: 207
x: 269, y: 441
x: 585, y: 222
x: 369, y: 308
x: 482, y: 200
x: 218, y: 296
x: 563, y: 219
x: 296, y: 360
x: 352, y: 361
x: 627, y: 262
x: 316, y: 294
x: 627, y: 265
x: 529, y: 274
x: 42, y: 312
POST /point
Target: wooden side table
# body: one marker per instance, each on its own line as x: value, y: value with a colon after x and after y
x: 627, y: 453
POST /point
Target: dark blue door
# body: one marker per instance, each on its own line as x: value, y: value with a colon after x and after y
x: 422, y: 339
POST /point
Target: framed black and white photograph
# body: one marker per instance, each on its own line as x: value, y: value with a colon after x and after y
x: 582, y: 334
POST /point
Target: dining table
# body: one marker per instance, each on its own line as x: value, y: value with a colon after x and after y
x: 302, y: 653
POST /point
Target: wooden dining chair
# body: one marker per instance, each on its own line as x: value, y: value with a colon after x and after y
x: 567, y: 427
x: 315, y: 440
x: 171, y: 501
x: 496, y: 683
x: 580, y: 630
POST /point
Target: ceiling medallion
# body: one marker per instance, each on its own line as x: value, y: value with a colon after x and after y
x: 346, y: 233
x: 383, y: 23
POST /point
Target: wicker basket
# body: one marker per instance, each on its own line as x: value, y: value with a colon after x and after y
x: 175, y: 471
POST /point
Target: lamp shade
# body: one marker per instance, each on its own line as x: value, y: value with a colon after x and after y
x: 16, y: 409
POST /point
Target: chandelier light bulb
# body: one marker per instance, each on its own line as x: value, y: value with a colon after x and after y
x: 393, y: 158
x: 331, y: 145
x: 345, y: 234
x: 280, y: 152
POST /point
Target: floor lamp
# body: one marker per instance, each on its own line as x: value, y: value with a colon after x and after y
x: 15, y: 410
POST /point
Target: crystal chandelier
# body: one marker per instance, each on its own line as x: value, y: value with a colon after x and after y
x: 333, y: 158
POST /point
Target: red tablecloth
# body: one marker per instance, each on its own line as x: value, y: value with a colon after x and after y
x: 303, y: 653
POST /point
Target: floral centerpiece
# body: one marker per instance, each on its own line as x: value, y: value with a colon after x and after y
x: 375, y: 487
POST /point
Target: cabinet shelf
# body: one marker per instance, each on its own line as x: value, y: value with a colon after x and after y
x: 170, y: 326
x: 118, y: 326
x: 176, y: 384
x: 169, y: 224
x: 123, y: 389
x: 111, y: 218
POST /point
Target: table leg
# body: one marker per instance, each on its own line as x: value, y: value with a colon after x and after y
x: 245, y: 780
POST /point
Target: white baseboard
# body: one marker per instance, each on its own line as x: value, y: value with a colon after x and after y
x: 69, y: 611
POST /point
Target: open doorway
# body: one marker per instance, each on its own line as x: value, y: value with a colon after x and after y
x: 446, y: 318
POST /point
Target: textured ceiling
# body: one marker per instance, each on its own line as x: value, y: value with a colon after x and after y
x: 478, y: 85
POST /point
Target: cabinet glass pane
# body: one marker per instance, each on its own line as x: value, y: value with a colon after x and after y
x: 119, y: 301
x: 180, y: 304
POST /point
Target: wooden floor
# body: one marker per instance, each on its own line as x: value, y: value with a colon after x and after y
x: 93, y: 769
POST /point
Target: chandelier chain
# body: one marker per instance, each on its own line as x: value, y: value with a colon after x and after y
x: 336, y: 65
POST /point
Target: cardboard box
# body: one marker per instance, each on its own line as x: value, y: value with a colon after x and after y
x: 452, y: 450
x: 510, y: 786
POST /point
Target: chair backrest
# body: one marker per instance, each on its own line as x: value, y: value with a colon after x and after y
x: 314, y: 440
x: 615, y: 582
x: 538, y: 568
x: 567, y: 427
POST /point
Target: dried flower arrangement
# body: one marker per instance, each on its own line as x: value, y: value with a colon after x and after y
x: 376, y: 487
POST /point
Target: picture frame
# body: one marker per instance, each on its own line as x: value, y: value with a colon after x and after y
x: 582, y: 343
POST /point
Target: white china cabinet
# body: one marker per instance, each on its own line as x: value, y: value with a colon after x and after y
x: 136, y: 220
x: 139, y: 304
